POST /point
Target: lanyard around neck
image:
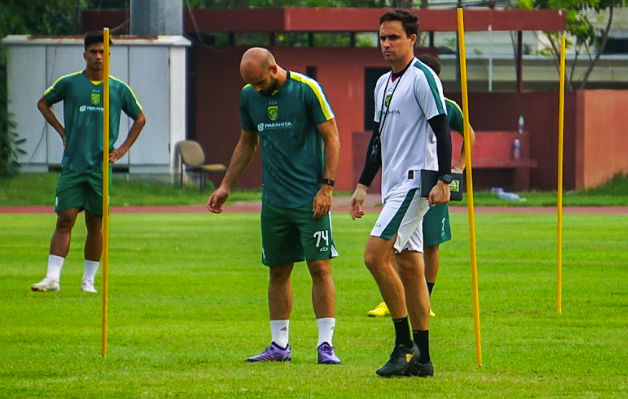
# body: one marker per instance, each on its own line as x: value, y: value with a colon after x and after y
x: 381, y: 110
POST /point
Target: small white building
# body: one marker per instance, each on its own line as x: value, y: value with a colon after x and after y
x: 154, y: 67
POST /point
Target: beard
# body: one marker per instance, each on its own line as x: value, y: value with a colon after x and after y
x: 270, y: 89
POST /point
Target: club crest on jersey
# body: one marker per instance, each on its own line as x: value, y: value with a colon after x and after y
x: 95, y: 98
x: 273, y: 112
x: 387, y: 100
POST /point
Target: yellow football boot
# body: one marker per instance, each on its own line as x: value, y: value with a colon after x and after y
x: 380, y: 310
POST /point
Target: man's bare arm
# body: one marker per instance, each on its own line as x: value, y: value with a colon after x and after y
x: 49, y: 115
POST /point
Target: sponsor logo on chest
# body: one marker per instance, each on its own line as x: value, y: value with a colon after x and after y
x: 273, y: 115
x: 273, y: 112
x: 95, y: 100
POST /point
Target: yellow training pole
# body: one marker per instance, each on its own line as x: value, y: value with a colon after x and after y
x: 561, y: 126
x: 469, y: 175
x: 105, y: 190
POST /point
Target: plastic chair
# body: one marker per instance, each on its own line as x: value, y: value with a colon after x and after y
x: 193, y: 160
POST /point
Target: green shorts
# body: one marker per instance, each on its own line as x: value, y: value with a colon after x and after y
x: 80, y: 190
x: 436, y: 229
x: 292, y: 235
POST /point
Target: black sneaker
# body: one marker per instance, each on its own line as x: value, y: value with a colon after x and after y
x: 420, y: 370
x: 400, y: 360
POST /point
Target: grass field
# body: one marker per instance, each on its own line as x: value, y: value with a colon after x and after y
x: 187, y: 304
x: 39, y: 189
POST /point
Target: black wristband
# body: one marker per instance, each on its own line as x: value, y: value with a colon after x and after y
x: 329, y: 182
x: 447, y: 179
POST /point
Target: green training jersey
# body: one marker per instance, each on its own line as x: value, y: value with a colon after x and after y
x: 83, y: 117
x: 455, y: 118
x: 292, y: 148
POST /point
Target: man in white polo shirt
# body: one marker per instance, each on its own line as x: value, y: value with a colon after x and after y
x: 411, y: 133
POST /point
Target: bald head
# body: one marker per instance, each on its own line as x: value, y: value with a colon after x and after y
x: 259, y: 69
x: 255, y: 62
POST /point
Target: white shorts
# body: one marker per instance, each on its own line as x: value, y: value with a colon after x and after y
x: 402, y: 215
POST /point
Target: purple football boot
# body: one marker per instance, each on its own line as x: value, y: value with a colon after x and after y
x: 326, y: 354
x: 273, y: 354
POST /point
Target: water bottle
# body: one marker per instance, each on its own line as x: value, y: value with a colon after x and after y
x: 522, y: 126
x: 508, y: 196
x: 501, y: 194
x: 516, y: 150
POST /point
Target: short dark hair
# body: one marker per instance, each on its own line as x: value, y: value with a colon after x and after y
x: 409, y: 21
x: 431, y: 62
x: 93, y: 38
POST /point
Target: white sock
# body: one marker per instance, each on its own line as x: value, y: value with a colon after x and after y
x: 55, y: 263
x: 326, y: 327
x: 280, y: 330
x: 91, y: 267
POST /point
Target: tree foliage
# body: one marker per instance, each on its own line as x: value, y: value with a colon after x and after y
x: 41, y: 17
x: 33, y: 17
x: 8, y: 161
x: 587, y: 40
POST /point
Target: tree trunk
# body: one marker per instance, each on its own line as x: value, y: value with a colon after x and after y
x: 607, y: 32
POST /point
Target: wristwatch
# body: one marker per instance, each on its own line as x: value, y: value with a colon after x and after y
x: 329, y: 182
x: 445, y: 178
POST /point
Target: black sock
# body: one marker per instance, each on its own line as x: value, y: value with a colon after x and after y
x: 430, y: 287
x: 402, y: 332
x: 422, y: 340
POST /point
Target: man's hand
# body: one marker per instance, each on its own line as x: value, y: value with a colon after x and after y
x: 457, y: 169
x: 117, y: 154
x: 322, y: 202
x: 439, y: 194
x: 215, y: 201
x: 357, y: 200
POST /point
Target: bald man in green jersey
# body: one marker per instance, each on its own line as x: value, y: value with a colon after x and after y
x: 81, y: 181
x: 288, y: 114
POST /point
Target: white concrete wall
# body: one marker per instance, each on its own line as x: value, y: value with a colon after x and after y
x: 153, y: 68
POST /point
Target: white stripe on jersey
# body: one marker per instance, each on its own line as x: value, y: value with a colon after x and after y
x: 407, y: 140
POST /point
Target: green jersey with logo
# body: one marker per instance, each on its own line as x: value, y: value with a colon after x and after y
x: 83, y: 117
x: 292, y: 148
x: 436, y: 226
x: 455, y: 118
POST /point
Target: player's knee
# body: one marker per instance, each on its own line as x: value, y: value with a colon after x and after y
x: 408, y: 271
x: 430, y: 251
x: 65, y: 222
x: 371, y: 260
x: 320, y: 269
x: 93, y: 224
x: 279, y: 273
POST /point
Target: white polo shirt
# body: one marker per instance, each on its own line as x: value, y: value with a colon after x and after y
x: 408, y: 142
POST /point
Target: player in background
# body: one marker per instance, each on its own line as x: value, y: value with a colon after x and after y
x: 81, y: 180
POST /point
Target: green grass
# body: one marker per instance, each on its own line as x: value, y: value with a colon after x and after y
x: 39, y: 189
x: 614, y: 192
x: 187, y: 304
